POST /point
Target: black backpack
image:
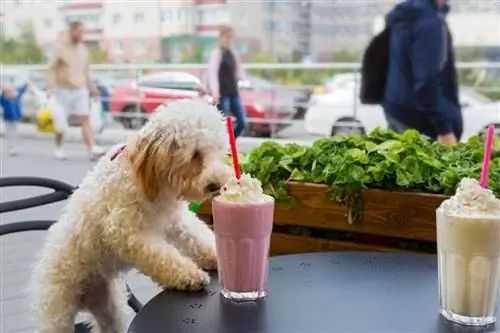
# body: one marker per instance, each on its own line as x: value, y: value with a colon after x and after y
x: 374, y: 70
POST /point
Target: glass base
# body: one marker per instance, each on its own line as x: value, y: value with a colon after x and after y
x: 468, y: 320
x: 242, y: 297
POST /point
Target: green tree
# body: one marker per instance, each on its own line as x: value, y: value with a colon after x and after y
x: 22, y: 49
x: 346, y: 56
x: 476, y: 77
x: 98, y: 56
x: 268, y: 74
x: 301, y: 76
x: 470, y: 77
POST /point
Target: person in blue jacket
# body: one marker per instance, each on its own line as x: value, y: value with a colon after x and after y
x: 10, y: 101
x: 105, y: 96
x: 422, y: 86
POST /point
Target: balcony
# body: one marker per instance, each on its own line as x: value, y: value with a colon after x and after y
x: 210, y: 2
x: 92, y: 35
x: 81, y: 6
x: 89, y: 14
x: 211, y: 19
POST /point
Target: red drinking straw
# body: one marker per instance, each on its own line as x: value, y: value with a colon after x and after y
x: 487, y: 155
x: 234, y: 151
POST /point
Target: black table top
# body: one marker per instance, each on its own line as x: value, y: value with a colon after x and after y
x: 320, y: 292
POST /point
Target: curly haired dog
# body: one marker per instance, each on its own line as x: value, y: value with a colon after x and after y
x: 132, y: 212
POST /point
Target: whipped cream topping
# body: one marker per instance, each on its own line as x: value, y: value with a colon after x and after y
x: 246, y: 190
x: 471, y: 199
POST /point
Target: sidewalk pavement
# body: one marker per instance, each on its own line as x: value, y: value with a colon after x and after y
x: 112, y: 136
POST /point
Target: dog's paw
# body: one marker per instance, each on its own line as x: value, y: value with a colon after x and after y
x: 209, y: 264
x: 207, y: 259
x: 194, y: 281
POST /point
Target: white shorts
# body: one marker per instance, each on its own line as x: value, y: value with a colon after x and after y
x: 73, y: 102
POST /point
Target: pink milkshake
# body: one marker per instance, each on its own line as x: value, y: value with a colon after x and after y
x: 243, y: 222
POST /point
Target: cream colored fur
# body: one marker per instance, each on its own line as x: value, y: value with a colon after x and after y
x: 132, y: 212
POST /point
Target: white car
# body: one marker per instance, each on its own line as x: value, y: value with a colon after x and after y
x: 338, y: 81
x: 341, y: 112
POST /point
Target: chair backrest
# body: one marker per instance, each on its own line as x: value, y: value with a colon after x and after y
x: 62, y: 191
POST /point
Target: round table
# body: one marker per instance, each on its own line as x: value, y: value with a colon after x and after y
x: 316, y: 292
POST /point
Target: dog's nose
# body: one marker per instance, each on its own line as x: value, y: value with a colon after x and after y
x: 213, y: 187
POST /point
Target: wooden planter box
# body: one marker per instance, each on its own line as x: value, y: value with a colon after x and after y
x: 390, y: 222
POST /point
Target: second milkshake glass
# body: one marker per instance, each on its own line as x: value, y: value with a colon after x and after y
x: 468, y: 268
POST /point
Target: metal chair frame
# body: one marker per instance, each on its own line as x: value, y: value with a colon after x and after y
x: 62, y: 191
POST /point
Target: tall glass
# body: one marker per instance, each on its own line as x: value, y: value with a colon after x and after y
x: 468, y: 268
x: 243, y: 236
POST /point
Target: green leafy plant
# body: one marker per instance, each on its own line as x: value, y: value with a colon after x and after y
x: 381, y: 159
x: 22, y: 49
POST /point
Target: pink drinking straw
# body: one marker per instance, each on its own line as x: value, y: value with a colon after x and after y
x: 487, y: 155
x: 234, y: 151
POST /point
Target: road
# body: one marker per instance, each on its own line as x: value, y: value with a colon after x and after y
x: 17, y: 252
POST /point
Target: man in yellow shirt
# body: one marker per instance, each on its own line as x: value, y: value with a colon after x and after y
x: 69, y: 81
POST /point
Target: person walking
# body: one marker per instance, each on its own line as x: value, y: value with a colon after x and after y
x: 11, y: 103
x: 422, y: 86
x: 69, y: 81
x: 224, y: 71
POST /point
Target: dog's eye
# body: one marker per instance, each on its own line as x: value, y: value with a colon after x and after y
x: 196, y: 155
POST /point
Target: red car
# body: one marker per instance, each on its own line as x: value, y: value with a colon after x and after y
x: 144, y: 95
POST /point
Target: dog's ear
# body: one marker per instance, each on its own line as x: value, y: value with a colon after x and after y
x: 151, y: 159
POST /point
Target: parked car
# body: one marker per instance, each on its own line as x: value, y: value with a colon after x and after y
x: 147, y: 93
x: 341, y: 112
x: 338, y: 82
x: 299, y: 99
x: 108, y: 81
x: 40, y: 81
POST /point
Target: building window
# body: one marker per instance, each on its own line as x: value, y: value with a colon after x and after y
x: 47, y: 49
x: 211, y: 15
x: 140, y: 46
x: 181, y: 15
x: 139, y: 17
x: 269, y: 25
x: 268, y: 5
x: 47, y: 23
x: 93, y: 19
x: 167, y: 15
x: 117, y: 47
x: 201, y: 17
x: 117, y: 19
x: 243, y: 20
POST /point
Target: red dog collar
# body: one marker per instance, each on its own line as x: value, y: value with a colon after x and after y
x: 118, y: 152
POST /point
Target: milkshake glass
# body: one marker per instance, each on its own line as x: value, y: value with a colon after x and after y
x: 243, y: 223
x: 468, y: 242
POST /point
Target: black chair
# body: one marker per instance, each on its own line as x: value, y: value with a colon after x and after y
x: 61, y: 192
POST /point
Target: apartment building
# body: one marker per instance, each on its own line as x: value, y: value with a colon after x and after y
x: 345, y: 24
x: 472, y: 23
x: 321, y: 28
x: 317, y: 29
x: 157, y: 29
x: 173, y: 29
x: 186, y: 30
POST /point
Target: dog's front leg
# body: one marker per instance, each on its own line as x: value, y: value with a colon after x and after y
x: 154, y: 257
x: 195, y: 239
